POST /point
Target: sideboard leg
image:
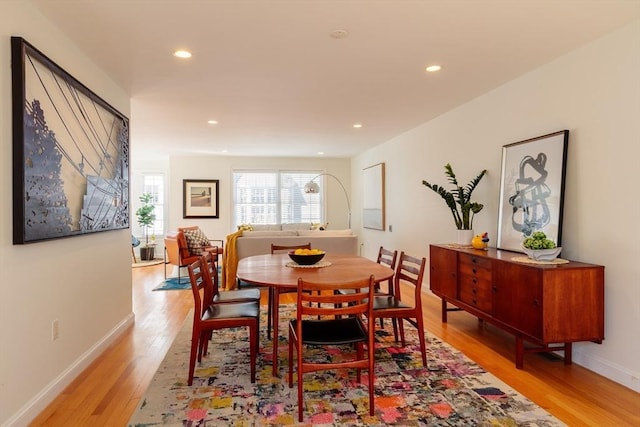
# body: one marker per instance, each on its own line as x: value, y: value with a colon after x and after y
x: 519, y: 352
x: 567, y: 353
x: 444, y: 311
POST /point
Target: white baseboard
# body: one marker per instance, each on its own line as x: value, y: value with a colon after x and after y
x: 40, y: 401
x: 606, y: 368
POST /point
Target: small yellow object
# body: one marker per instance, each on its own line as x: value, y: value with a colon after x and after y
x: 307, y: 251
x: 478, y: 243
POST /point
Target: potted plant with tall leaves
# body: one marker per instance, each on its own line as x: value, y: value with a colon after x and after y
x: 459, y: 202
x: 146, y: 218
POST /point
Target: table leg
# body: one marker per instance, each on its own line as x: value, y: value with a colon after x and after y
x: 275, y: 310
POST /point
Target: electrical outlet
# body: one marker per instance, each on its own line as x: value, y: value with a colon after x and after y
x: 55, y: 330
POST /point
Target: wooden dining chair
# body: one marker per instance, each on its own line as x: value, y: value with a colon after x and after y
x: 328, y: 318
x: 388, y: 258
x: 238, y: 295
x: 409, y: 272
x: 215, y: 316
x: 272, y: 303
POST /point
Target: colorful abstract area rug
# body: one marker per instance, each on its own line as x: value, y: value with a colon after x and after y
x: 451, y: 391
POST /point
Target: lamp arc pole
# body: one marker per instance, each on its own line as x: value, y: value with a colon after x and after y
x: 313, y: 188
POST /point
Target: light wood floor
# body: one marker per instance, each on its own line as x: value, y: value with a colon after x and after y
x: 107, y: 393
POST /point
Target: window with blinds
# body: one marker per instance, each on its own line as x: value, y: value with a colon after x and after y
x: 276, y: 197
x: 154, y: 185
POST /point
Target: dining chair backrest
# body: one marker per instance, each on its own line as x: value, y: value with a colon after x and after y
x: 388, y: 258
x: 210, y: 267
x: 319, y: 299
x: 199, y: 284
x: 286, y: 248
x: 410, y: 270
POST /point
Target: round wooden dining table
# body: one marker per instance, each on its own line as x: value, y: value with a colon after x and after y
x: 279, y: 271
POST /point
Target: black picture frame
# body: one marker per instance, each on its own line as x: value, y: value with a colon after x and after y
x: 532, y: 189
x: 200, y: 198
x: 70, y: 153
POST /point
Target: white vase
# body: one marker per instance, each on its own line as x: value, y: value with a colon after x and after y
x: 464, y: 237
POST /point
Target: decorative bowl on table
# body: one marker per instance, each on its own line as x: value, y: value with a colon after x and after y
x: 307, y: 258
x: 542, y: 254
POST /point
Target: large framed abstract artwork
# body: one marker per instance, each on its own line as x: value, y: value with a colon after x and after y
x: 373, y: 203
x: 532, y: 189
x: 200, y: 198
x: 70, y: 153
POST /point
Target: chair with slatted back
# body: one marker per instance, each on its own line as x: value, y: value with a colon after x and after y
x: 388, y: 258
x: 237, y: 295
x: 409, y: 273
x: 273, y: 304
x: 328, y: 318
x: 209, y: 317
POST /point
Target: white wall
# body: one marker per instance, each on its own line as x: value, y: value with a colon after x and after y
x: 594, y: 92
x: 84, y: 282
x: 221, y: 167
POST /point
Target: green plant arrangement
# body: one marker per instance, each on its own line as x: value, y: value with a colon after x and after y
x: 459, y: 199
x: 146, y: 218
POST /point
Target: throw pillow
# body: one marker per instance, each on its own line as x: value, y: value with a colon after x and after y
x: 245, y: 227
x: 196, y: 239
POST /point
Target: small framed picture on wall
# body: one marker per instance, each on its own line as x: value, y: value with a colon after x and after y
x: 200, y: 198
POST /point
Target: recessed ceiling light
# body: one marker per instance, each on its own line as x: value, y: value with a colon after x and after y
x: 339, y: 34
x: 182, y: 54
x: 212, y: 122
x: 433, y: 68
x: 357, y: 125
x: 321, y: 153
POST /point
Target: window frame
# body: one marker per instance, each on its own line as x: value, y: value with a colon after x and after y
x: 311, y: 200
x: 160, y: 198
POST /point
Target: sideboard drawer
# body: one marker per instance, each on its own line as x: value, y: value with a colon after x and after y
x: 480, y: 272
x: 475, y: 292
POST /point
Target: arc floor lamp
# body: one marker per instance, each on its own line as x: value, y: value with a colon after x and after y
x: 312, y: 187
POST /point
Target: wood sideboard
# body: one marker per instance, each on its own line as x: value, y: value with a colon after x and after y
x: 548, y: 306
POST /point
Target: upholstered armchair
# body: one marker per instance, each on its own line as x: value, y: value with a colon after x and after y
x: 185, y: 246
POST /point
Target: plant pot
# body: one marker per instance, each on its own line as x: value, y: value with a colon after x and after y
x: 147, y: 253
x: 464, y: 237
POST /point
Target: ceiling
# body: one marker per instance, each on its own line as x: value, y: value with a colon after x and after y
x: 279, y: 85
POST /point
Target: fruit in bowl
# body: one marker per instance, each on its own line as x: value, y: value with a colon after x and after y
x: 306, y: 256
x: 540, y: 248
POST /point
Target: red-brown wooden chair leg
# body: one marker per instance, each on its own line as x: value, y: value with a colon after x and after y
x: 423, y: 344
x: 253, y: 338
x: 291, y: 344
x: 192, y: 358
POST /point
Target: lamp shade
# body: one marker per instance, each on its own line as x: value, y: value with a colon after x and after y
x: 311, y: 187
